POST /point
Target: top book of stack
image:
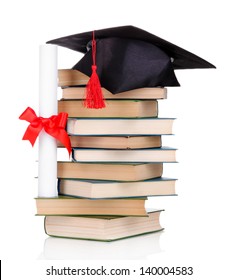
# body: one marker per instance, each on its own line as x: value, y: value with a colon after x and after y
x: 73, y: 84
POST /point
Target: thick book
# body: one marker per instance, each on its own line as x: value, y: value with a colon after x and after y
x: 109, y: 171
x: 147, y: 126
x: 115, y: 142
x: 102, y: 228
x: 163, y: 154
x: 65, y: 205
x: 95, y: 189
x: 113, y: 109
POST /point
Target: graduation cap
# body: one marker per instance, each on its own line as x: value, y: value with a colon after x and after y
x: 126, y: 58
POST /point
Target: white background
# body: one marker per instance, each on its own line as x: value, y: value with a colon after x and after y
x: 200, y: 224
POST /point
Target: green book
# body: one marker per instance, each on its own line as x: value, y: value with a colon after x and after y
x: 107, y: 228
x: 99, y: 189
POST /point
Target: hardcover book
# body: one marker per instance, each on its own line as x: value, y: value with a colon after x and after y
x: 147, y: 126
x: 108, y: 228
x: 109, y: 171
x: 163, y: 154
x: 78, y: 92
x: 95, y: 189
x: 115, y: 142
x: 72, y: 80
x: 64, y: 205
x: 113, y: 109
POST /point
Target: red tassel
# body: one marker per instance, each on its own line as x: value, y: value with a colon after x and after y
x: 94, y: 96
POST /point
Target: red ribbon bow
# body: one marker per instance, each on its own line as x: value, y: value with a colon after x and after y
x: 54, y: 126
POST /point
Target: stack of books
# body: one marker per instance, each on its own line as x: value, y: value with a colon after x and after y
x: 117, y: 163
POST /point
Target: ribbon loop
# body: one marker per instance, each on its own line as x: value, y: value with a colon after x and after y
x: 54, y: 126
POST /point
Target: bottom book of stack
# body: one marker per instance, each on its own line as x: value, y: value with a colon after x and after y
x: 102, y: 228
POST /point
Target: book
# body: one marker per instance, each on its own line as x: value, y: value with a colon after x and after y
x: 162, y: 154
x: 78, y: 92
x: 113, y: 109
x: 70, y: 77
x: 109, y: 171
x: 147, y: 126
x: 73, y: 84
x: 115, y: 142
x: 65, y: 205
x: 112, y: 189
x: 102, y: 228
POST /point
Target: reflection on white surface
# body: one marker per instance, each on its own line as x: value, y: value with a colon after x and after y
x: 135, y: 248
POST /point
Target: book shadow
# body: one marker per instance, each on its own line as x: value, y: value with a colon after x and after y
x: 135, y: 248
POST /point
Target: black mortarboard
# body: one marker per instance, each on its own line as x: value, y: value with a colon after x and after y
x: 128, y: 58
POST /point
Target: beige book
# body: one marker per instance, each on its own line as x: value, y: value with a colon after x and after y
x: 115, y: 142
x: 109, y: 171
x: 73, y: 87
x: 140, y: 93
x: 102, y: 228
x: 113, y: 109
x: 163, y: 154
x: 64, y: 205
x: 70, y: 77
x: 95, y: 189
x: 146, y: 126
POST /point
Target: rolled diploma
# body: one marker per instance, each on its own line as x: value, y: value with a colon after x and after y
x: 47, y: 155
